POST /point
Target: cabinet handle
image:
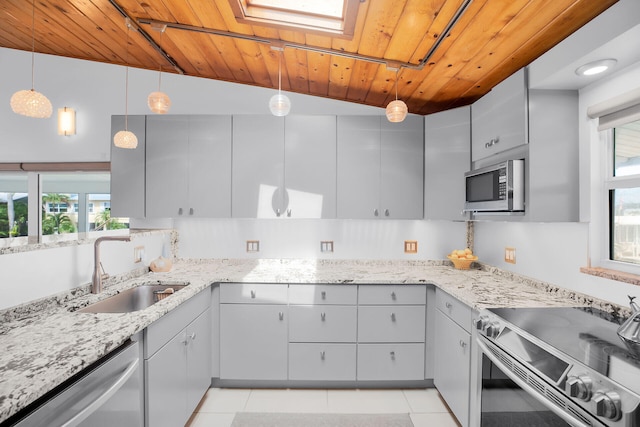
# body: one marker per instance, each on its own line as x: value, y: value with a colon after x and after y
x: 185, y: 340
x: 281, y: 315
x: 393, y: 296
x: 253, y: 293
x: 289, y: 212
x: 322, y: 355
x: 493, y: 142
x: 323, y: 316
x: 179, y: 211
x: 448, y: 305
x: 393, y: 355
x: 375, y: 212
x: 190, y: 211
x: 393, y: 317
x: 463, y: 344
x: 323, y: 294
x: 386, y: 212
x: 277, y: 212
x: 192, y: 336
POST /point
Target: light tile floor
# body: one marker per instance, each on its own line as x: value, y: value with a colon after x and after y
x: 425, y: 406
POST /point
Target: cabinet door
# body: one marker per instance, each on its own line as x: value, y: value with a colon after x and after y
x: 166, y: 398
x: 209, y: 169
x: 452, y: 365
x: 167, y: 165
x: 447, y: 158
x: 402, y: 169
x: 127, y: 171
x: 310, y: 166
x: 258, y: 166
x: 198, y: 359
x: 358, y: 167
x: 253, y: 342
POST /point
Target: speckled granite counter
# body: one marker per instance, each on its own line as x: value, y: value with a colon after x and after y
x: 42, y: 348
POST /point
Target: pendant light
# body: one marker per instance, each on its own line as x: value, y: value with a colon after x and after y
x: 397, y: 110
x: 29, y: 102
x: 159, y: 102
x: 279, y: 104
x: 125, y: 138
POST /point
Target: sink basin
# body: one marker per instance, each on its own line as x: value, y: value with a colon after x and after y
x: 134, y: 299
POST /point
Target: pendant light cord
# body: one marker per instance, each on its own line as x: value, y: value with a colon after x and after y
x: 33, y: 42
x: 280, y: 72
x: 397, y: 83
x: 160, y: 67
x: 126, y: 80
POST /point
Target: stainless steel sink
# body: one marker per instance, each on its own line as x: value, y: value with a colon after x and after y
x: 134, y: 299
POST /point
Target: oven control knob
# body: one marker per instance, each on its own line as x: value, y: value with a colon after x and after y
x: 481, y: 322
x: 579, y: 387
x: 607, y: 405
x: 492, y: 330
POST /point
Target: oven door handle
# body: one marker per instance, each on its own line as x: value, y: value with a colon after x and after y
x: 526, y: 387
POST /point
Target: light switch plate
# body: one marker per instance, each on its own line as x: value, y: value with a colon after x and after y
x: 138, y: 253
x: 253, y: 245
x: 326, y: 246
x: 410, y: 246
x: 510, y: 255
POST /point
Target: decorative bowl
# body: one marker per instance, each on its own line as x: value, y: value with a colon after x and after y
x: 462, y: 263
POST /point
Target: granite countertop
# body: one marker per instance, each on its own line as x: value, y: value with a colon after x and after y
x: 42, y: 348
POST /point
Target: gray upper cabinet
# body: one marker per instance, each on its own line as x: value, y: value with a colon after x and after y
x: 128, y: 171
x: 499, y: 119
x: 188, y: 166
x: 447, y: 158
x: 284, y: 167
x: 380, y: 168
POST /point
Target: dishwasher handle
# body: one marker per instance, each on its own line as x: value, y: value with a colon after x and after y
x: 526, y: 387
x: 109, y: 392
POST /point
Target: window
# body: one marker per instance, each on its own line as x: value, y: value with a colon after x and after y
x: 14, y: 204
x: 623, y: 186
x: 337, y: 17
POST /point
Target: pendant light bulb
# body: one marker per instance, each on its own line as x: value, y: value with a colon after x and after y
x: 29, y: 102
x: 397, y: 110
x: 159, y: 102
x: 126, y: 138
x: 279, y: 104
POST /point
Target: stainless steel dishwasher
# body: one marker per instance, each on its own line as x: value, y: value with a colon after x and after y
x: 109, y: 393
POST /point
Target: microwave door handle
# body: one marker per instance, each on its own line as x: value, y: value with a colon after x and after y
x: 526, y: 387
x: 100, y: 400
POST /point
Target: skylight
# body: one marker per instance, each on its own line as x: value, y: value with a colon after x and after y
x: 333, y: 16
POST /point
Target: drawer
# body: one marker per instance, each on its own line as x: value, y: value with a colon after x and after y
x: 390, y: 362
x: 323, y: 294
x: 253, y: 293
x: 324, y: 323
x: 391, y: 324
x: 164, y: 329
x: 454, y: 309
x: 392, y: 294
x: 323, y: 362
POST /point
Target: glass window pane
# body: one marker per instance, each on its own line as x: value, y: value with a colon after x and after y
x: 99, y: 214
x: 14, y: 203
x: 626, y: 139
x: 624, y: 204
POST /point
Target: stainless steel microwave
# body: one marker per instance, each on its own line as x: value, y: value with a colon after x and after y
x: 496, y: 188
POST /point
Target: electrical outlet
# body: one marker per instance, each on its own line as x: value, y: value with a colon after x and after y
x: 510, y: 255
x: 326, y: 246
x: 410, y: 246
x: 138, y: 253
x: 253, y: 245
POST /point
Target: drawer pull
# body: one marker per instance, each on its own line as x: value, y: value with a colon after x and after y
x: 192, y: 336
x: 448, y: 305
x: 322, y: 355
x: 393, y: 317
x: 323, y: 316
x: 253, y: 293
x: 190, y: 211
x: 463, y: 344
x: 323, y: 294
x: 179, y: 211
x: 393, y: 296
x: 281, y: 315
x: 386, y: 212
x: 375, y: 212
x: 393, y: 355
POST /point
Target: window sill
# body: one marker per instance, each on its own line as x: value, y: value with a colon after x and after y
x: 620, y: 276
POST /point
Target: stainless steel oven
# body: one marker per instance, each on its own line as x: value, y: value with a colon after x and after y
x: 554, y: 367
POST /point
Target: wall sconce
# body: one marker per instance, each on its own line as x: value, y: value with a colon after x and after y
x: 66, y: 121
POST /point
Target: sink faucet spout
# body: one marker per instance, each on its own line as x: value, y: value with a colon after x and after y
x: 96, y: 282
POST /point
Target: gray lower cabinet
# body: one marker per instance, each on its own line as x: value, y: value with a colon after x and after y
x: 452, y: 357
x: 322, y: 361
x: 253, y: 331
x: 177, y: 362
x: 391, y: 362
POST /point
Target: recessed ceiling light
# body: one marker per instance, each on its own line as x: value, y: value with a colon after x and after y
x: 596, y: 67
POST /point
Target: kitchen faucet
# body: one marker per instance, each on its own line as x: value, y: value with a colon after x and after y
x: 96, y: 283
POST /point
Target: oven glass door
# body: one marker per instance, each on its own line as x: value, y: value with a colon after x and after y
x: 504, y: 404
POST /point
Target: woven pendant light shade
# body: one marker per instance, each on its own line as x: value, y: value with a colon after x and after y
x: 31, y: 104
x: 125, y: 139
x: 159, y: 102
x: 396, y: 111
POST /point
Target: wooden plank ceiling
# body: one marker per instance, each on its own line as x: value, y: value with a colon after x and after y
x: 490, y: 40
